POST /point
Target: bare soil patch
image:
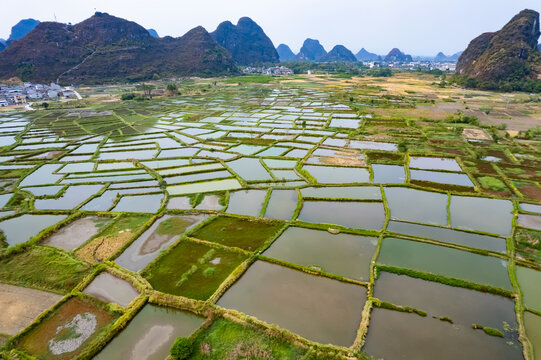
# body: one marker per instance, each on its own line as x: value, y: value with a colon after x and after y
x: 475, y: 134
x: 20, y: 306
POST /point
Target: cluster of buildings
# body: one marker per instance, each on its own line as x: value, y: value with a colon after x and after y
x: 414, y: 65
x: 28, y: 92
x: 275, y: 70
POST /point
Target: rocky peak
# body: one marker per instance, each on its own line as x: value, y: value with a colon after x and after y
x: 395, y: 55
x: 22, y: 28
x: 364, y: 55
x: 153, y: 33
x: 247, y: 42
x: 339, y: 53
x: 103, y: 29
x: 440, y: 57
x: 311, y: 50
x: 505, y: 54
x: 285, y: 53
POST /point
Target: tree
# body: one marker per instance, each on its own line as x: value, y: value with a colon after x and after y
x: 172, y: 89
x: 146, y: 89
x: 182, y: 349
x: 45, y: 105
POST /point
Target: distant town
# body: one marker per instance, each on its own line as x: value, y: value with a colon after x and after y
x: 275, y: 70
x: 409, y: 65
x: 414, y: 65
x: 28, y: 93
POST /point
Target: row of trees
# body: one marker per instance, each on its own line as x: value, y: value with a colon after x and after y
x: 146, y: 89
x: 527, y: 85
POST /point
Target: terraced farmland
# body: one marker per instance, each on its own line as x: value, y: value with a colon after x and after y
x: 296, y: 220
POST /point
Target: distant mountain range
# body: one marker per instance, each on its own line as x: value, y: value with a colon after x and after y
x: 247, y: 42
x: 509, y: 54
x: 105, y: 48
x: 441, y: 57
x: 312, y: 50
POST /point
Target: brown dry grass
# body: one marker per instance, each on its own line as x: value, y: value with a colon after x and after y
x: 338, y: 161
x: 101, y: 248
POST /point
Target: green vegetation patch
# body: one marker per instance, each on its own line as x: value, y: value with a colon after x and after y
x: 193, y: 270
x: 226, y: 339
x: 182, y: 348
x: 43, y: 267
x: 528, y: 244
x: 173, y: 226
x: 489, y: 331
x: 242, y: 233
x: 385, y: 158
x: 492, y: 183
x: 444, y: 187
x: 254, y: 79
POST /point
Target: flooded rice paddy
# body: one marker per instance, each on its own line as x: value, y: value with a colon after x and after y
x: 226, y: 198
x: 20, y: 229
x: 150, y: 334
x: 317, y: 308
x: 533, y: 330
x: 445, y: 261
x: 342, y: 254
x: 355, y: 215
x: 449, y: 236
x: 157, y: 238
x: 109, y: 288
x: 76, y: 233
x: 463, y: 306
x: 426, y: 338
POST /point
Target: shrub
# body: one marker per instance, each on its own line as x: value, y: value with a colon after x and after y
x: 182, y: 348
x: 128, y: 96
x: 381, y: 72
x: 402, y: 146
x: 209, y: 271
x: 460, y: 118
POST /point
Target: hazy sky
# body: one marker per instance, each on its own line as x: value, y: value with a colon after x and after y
x: 418, y: 27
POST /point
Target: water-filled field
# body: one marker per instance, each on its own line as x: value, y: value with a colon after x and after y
x: 305, y: 220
